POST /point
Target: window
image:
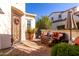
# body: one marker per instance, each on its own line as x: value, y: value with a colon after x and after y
x: 78, y: 25
x: 28, y: 23
x: 59, y: 16
x: 61, y: 27
x: 52, y: 18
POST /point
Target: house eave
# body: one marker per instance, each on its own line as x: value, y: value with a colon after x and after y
x: 62, y: 11
x: 59, y: 20
x: 17, y: 11
x: 30, y: 15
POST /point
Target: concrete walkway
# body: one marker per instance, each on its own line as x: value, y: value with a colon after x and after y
x: 28, y: 48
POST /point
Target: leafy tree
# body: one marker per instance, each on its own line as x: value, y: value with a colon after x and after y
x: 43, y: 23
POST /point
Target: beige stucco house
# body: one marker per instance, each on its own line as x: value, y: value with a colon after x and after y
x: 59, y: 18
x: 14, y: 21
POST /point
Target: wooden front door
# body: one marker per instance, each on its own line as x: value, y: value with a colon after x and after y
x: 16, y: 28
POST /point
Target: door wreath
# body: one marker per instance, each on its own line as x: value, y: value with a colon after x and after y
x: 16, y: 21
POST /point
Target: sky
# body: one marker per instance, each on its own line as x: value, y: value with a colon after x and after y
x: 44, y: 9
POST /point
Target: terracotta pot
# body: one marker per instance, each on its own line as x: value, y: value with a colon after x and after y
x: 30, y: 36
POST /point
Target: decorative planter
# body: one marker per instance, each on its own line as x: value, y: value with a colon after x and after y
x: 30, y: 36
x: 30, y: 33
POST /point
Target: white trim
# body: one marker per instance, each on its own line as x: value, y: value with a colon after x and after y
x: 30, y: 14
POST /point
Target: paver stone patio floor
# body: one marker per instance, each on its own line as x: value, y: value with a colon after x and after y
x: 28, y: 48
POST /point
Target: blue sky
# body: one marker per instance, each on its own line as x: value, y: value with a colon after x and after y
x: 43, y: 9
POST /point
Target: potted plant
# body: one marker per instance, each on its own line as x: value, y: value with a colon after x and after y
x: 30, y: 32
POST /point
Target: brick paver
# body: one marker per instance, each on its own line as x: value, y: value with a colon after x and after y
x: 29, y: 49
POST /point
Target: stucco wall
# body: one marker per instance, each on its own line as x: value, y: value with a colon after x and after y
x: 56, y: 15
x: 75, y: 33
x: 5, y: 24
x: 21, y: 6
x: 24, y: 26
x: 55, y: 25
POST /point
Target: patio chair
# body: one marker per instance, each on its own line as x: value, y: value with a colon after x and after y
x: 64, y: 38
x: 56, y: 38
x: 45, y: 39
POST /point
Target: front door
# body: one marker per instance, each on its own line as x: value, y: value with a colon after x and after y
x: 16, y: 29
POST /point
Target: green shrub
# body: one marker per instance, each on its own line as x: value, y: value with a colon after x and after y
x: 30, y: 30
x: 64, y: 49
x: 74, y: 51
